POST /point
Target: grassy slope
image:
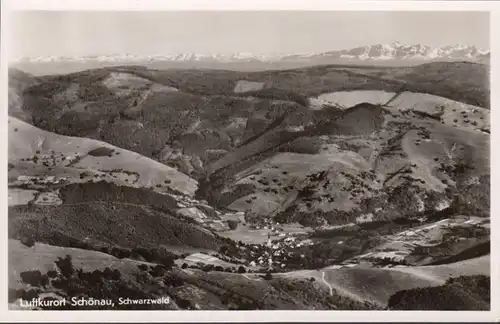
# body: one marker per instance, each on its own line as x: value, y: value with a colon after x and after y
x: 288, y: 85
x: 342, y: 130
x: 138, y: 112
x: 378, y: 284
x: 396, y: 144
x: 451, y: 112
x: 42, y: 256
x: 462, y: 81
x: 26, y: 139
x: 130, y: 114
x: 374, y: 285
x: 214, y: 290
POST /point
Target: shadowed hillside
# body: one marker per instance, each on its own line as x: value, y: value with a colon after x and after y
x: 462, y: 293
x: 121, y: 224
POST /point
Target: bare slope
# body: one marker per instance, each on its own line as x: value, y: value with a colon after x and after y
x: 34, y: 152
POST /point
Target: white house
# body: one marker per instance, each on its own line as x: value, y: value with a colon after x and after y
x: 24, y: 178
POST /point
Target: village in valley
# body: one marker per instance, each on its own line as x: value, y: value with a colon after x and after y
x: 266, y: 245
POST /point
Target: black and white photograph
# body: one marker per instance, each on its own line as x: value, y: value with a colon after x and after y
x: 225, y: 160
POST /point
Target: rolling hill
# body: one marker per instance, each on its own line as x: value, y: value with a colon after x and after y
x: 37, y: 153
x: 306, y: 180
x: 326, y: 289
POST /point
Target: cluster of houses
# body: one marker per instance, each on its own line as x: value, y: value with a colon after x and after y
x: 275, y: 253
x: 24, y: 179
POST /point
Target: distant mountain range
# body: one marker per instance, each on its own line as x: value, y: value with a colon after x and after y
x: 398, y: 51
x: 380, y: 52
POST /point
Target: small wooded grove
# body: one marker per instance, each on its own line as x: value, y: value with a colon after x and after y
x: 69, y: 282
x: 460, y: 293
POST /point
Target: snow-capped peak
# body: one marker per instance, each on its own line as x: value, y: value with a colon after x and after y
x: 391, y: 51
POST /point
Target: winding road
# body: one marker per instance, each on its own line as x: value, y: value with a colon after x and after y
x: 326, y: 283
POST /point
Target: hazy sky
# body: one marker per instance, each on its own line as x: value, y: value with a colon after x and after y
x: 43, y: 33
